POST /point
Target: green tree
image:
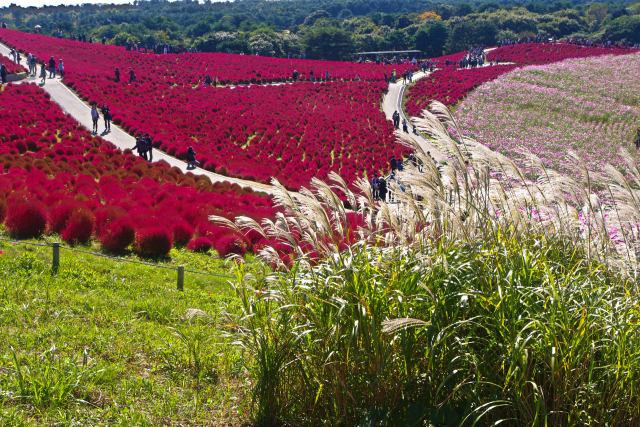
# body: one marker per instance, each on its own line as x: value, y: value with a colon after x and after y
x: 431, y: 37
x: 466, y: 33
x: 624, y: 28
x: 327, y: 42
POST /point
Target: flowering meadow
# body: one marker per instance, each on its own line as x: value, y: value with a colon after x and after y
x: 449, y: 86
x: 12, y: 67
x: 56, y: 177
x: 589, y: 106
x: 293, y: 132
x: 546, y: 53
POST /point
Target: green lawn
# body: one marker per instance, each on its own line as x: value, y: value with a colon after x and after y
x: 113, y: 342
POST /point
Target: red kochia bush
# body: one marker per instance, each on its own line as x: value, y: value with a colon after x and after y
x: 79, y: 226
x: 182, y: 233
x: 230, y: 244
x: 118, y: 235
x: 153, y: 241
x: 3, y: 209
x: 201, y: 244
x: 26, y: 219
x: 60, y: 214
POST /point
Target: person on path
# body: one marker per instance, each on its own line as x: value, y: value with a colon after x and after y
x: 61, y: 68
x: 382, y: 189
x: 3, y: 73
x: 106, y: 115
x: 148, y: 146
x: 117, y: 74
x: 140, y: 146
x: 374, y: 188
x: 52, y: 68
x: 405, y: 128
x: 94, y: 117
x: 132, y: 75
x: 393, y: 163
x: 43, y: 73
x: 191, y: 158
x: 396, y: 119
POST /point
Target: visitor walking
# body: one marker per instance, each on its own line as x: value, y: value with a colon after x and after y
x: 3, y: 73
x: 43, y: 72
x: 191, y: 158
x: 132, y: 75
x: 94, y: 117
x: 52, y: 68
x: 106, y: 115
x: 396, y: 119
x: 382, y: 189
x: 61, y: 68
x: 117, y: 74
x: 148, y: 146
x: 405, y: 128
x: 140, y: 146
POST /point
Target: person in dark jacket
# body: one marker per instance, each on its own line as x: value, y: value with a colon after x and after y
x: 52, y: 68
x: 117, y: 74
x: 382, y: 189
x: 149, y: 146
x: 132, y: 75
x: 191, y: 158
x: 3, y: 73
x: 106, y: 115
x: 140, y: 146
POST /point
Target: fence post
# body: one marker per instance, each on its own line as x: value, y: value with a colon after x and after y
x: 55, y: 264
x: 181, y: 277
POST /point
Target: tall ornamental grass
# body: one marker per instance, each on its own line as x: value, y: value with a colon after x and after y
x: 482, y: 297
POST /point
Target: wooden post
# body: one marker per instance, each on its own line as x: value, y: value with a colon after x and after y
x: 181, y: 277
x: 55, y: 264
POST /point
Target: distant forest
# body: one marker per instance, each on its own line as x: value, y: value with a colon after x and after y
x: 332, y: 29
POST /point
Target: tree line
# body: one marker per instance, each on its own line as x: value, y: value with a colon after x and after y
x: 331, y: 29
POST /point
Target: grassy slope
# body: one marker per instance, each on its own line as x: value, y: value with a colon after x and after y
x: 110, y: 342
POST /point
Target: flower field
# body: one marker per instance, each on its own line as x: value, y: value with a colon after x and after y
x: 293, y: 132
x: 589, y: 106
x: 56, y: 177
x: 12, y: 67
x: 84, y: 59
x: 546, y: 53
x: 449, y: 86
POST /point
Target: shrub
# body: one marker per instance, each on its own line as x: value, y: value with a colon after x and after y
x: 118, y: 235
x: 230, y: 244
x: 79, y: 226
x: 182, y: 233
x: 201, y: 244
x: 3, y: 209
x: 60, y: 214
x: 26, y: 219
x: 153, y: 242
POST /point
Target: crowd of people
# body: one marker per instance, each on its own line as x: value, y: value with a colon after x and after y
x: 144, y: 146
x: 576, y: 41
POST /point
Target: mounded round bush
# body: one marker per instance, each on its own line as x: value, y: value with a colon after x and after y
x: 79, y: 226
x: 200, y: 244
x: 60, y: 214
x: 182, y: 233
x: 230, y: 244
x: 26, y: 219
x: 118, y: 235
x: 153, y: 242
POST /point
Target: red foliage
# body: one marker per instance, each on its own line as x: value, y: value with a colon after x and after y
x: 231, y: 244
x: 200, y: 244
x: 153, y: 241
x: 79, y: 226
x: 546, y: 53
x: 60, y: 214
x: 12, y: 67
x: 182, y: 233
x: 26, y: 219
x: 449, y: 86
x: 118, y: 235
x: 3, y: 209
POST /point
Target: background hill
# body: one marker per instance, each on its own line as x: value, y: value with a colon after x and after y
x: 332, y: 29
